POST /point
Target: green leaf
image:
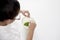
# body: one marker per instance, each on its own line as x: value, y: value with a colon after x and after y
x: 26, y: 24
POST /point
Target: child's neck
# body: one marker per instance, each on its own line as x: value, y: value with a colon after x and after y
x: 6, y: 22
x: 3, y: 24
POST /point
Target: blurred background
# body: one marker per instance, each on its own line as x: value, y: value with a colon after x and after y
x: 47, y: 16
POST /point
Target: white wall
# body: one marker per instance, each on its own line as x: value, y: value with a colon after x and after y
x: 47, y: 15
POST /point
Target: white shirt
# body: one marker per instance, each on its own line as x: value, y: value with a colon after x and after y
x: 11, y: 31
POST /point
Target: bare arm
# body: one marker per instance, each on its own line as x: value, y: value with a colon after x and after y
x: 31, y: 31
x: 30, y: 35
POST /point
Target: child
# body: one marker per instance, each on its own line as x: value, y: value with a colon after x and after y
x: 9, y: 9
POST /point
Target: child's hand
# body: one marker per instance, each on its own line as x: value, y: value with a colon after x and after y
x: 25, y: 13
x: 32, y: 25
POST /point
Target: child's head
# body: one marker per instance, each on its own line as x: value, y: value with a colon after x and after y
x: 9, y: 9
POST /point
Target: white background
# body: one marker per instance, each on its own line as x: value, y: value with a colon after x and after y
x: 47, y: 16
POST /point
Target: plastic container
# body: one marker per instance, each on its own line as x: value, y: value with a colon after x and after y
x: 26, y: 23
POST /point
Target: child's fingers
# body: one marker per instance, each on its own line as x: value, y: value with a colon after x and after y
x: 25, y: 13
x: 32, y: 25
